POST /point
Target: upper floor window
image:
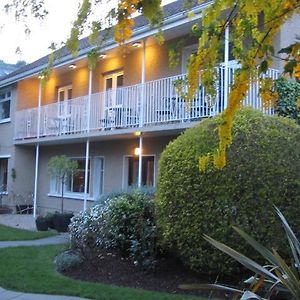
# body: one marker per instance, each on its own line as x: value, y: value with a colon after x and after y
x: 5, y: 98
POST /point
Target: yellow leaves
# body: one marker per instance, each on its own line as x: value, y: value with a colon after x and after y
x: 297, y: 71
x: 267, y: 92
x: 123, y: 30
x: 203, y: 162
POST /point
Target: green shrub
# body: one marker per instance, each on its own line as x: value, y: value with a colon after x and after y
x: 289, y: 95
x: 67, y: 260
x: 263, y: 169
x: 122, y: 221
x: 132, y: 227
x: 41, y: 223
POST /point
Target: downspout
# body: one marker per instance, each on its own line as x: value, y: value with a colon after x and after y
x: 37, y: 151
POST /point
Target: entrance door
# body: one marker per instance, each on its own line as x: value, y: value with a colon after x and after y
x: 112, y: 84
x: 64, y: 94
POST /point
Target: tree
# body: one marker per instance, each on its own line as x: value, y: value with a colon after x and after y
x: 62, y: 168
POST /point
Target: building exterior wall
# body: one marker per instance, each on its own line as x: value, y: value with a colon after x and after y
x: 114, y: 153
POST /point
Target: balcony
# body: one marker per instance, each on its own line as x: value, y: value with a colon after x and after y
x: 152, y: 103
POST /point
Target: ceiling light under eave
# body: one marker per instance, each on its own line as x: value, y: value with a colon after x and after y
x: 72, y: 66
x: 102, y: 56
x: 137, y: 45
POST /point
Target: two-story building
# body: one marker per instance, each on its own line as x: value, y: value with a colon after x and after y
x: 114, y: 120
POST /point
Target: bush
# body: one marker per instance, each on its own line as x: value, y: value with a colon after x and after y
x: 67, y: 260
x: 124, y: 222
x: 88, y: 231
x: 262, y: 170
x: 41, y: 223
x: 289, y: 95
x: 61, y: 221
x: 49, y: 217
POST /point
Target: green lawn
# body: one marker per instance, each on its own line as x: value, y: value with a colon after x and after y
x: 14, y: 234
x: 30, y: 269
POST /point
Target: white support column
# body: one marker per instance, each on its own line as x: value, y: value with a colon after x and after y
x: 86, y: 173
x: 89, y: 100
x: 36, y: 175
x: 226, y: 65
x: 39, y: 109
x: 140, y: 169
x: 87, y: 148
x: 143, y: 76
x: 37, y: 151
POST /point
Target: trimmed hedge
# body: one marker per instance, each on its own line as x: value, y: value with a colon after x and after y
x: 263, y: 170
x: 289, y: 95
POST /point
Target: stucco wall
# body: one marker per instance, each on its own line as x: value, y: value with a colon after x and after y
x: 114, y: 153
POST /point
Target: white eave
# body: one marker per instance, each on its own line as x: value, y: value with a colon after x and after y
x: 138, y: 34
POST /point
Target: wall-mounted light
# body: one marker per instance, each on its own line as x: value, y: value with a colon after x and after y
x: 137, y: 133
x: 137, y: 151
x: 41, y: 77
x: 72, y: 66
x: 102, y: 55
x: 137, y: 44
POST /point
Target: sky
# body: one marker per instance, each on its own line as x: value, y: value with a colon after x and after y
x: 55, y: 28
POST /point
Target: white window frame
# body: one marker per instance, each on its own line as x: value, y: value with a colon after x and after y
x: 7, y: 157
x: 114, y: 77
x: 125, y: 169
x: 93, y: 176
x: 6, y: 99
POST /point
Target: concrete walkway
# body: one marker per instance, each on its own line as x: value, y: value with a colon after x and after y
x: 62, y: 238
x: 9, y: 295
x: 53, y: 240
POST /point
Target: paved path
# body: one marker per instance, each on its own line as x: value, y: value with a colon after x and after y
x: 9, y: 295
x: 53, y: 240
x: 62, y: 238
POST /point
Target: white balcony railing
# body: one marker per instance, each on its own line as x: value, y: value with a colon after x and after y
x: 154, y: 102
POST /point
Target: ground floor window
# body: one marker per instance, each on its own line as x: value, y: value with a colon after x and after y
x: 75, y: 183
x: 3, y: 174
x: 147, y: 171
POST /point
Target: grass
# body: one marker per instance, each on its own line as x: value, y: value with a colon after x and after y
x: 31, y: 269
x: 14, y: 234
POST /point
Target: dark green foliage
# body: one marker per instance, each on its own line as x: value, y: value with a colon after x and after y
x: 132, y: 227
x: 263, y: 169
x: 61, y: 221
x: 289, y: 94
x: 41, y: 223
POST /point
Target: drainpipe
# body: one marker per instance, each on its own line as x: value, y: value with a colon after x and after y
x: 226, y: 66
x: 140, y: 161
x: 37, y: 152
x: 87, y: 147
